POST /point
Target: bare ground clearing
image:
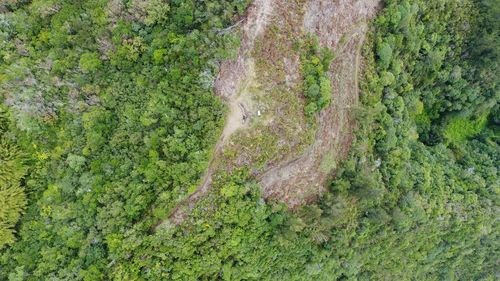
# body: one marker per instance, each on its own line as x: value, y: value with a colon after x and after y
x: 340, y: 25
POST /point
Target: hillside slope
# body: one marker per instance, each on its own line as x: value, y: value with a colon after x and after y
x: 298, y: 175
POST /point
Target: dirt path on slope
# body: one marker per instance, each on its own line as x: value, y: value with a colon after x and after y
x: 232, y: 77
x: 340, y: 26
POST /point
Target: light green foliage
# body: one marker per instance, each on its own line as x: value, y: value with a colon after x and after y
x: 460, y: 129
x: 387, y: 78
x: 385, y: 54
x: 75, y: 162
x: 159, y: 56
x: 12, y: 166
x: 149, y: 12
x: 157, y: 12
x: 89, y: 62
x: 12, y: 197
x: 12, y: 205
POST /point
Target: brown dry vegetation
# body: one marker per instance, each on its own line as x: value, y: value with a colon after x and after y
x: 340, y: 26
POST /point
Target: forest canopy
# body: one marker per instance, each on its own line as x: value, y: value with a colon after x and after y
x: 108, y: 119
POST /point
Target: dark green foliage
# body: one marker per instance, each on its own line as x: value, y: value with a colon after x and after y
x: 431, y: 53
x: 317, y: 85
x: 108, y: 96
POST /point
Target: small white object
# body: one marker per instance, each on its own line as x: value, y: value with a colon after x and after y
x: 258, y: 112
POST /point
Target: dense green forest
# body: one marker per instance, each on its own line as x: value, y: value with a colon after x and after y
x: 108, y: 120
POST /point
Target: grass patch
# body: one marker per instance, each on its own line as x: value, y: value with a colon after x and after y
x: 329, y: 162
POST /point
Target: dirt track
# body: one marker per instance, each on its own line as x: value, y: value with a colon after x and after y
x: 340, y: 25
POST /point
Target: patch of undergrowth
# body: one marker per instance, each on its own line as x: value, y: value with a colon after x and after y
x: 317, y: 84
x: 461, y: 128
x: 279, y: 133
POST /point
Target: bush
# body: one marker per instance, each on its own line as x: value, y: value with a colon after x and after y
x: 89, y: 62
x: 317, y: 84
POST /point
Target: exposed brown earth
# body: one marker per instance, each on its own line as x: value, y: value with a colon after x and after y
x: 293, y: 179
x: 340, y: 26
x: 302, y: 179
x: 233, y: 72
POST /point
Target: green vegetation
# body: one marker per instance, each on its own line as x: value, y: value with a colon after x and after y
x: 107, y: 100
x: 110, y: 122
x: 317, y: 85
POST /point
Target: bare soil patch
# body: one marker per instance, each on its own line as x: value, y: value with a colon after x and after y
x: 340, y: 26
